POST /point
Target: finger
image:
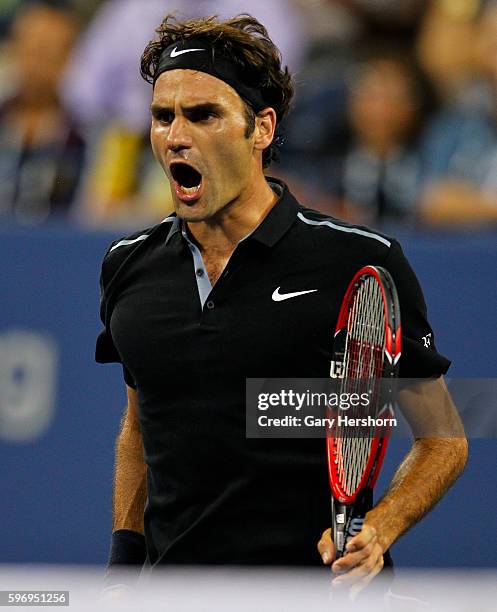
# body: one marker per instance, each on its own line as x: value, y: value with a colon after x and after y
x: 357, y: 573
x: 350, y: 560
x: 362, y: 539
x: 354, y: 575
x: 326, y: 548
x: 363, y: 583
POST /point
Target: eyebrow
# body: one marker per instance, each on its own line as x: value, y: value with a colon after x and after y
x: 202, y: 107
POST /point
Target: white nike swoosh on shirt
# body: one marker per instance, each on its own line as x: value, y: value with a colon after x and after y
x: 279, y: 297
x: 175, y: 52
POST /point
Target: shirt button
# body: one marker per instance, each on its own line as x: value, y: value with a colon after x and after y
x: 200, y: 272
x: 210, y: 304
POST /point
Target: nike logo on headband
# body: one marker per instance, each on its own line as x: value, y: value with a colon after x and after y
x: 175, y: 52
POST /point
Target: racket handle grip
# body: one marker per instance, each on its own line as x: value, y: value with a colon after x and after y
x: 339, y: 522
x: 347, y: 519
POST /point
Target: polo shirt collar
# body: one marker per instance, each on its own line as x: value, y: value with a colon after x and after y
x: 176, y: 226
x: 279, y: 219
x: 273, y: 227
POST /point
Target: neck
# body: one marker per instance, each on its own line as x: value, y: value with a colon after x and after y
x: 236, y: 220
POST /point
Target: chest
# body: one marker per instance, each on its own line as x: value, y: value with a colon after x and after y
x: 258, y: 320
x: 215, y: 262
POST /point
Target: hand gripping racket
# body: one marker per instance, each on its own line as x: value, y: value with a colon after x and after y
x: 366, y: 352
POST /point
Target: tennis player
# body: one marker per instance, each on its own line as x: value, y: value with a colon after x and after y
x: 242, y: 281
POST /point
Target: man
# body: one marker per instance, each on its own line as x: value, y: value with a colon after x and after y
x: 192, y: 307
x: 42, y: 150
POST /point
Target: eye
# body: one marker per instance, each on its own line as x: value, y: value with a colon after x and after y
x: 163, y: 116
x: 202, y: 115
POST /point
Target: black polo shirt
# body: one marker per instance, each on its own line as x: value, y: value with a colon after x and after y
x: 213, y: 495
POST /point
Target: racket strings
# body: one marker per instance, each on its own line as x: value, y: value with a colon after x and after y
x: 363, y: 365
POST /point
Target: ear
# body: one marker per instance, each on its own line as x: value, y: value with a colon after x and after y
x: 265, y: 125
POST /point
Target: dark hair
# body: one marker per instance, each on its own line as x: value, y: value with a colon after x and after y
x: 247, y: 42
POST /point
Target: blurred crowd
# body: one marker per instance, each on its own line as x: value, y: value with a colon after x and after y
x: 394, y: 121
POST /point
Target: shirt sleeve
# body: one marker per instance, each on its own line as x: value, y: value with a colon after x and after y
x: 420, y: 358
x: 105, y: 350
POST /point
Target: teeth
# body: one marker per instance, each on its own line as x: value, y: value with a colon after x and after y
x: 189, y: 190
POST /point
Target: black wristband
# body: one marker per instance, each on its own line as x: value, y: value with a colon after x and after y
x: 127, y: 548
x: 126, y: 558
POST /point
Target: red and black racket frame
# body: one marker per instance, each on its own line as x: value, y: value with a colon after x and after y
x: 349, y: 510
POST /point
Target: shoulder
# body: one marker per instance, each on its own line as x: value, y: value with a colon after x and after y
x: 327, y: 231
x: 121, y: 250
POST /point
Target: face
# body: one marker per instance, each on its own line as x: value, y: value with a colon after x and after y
x: 40, y: 42
x: 445, y: 43
x: 198, y: 135
x: 382, y: 107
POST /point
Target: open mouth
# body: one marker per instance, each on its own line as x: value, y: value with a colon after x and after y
x: 188, y: 181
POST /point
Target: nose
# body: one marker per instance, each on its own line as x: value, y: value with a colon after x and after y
x: 178, y: 137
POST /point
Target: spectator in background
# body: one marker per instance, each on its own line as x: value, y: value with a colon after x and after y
x: 41, y: 150
x: 460, y: 148
x: 388, y: 103
x: 445, y: 47
x: 372, y: 172
x: 318, y: 133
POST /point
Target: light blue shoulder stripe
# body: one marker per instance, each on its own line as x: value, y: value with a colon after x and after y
x: 142, y: 237
x: 126, y: 242
x: 348, y: 230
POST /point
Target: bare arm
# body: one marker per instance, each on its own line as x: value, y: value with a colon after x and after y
x: 431, y: 466
x: 428, y: 470
x: 130, y: 491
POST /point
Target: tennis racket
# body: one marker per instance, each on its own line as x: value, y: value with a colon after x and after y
x: 366, y: 352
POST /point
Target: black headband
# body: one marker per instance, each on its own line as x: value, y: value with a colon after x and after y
x: 195, y: 54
